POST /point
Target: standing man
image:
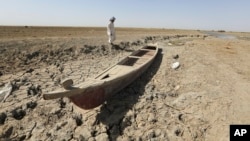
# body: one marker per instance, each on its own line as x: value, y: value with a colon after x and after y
x: 111, y: 30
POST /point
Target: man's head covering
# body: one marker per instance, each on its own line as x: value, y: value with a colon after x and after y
x: 112, y: 19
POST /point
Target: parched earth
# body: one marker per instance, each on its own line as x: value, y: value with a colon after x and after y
x: 197, y: 101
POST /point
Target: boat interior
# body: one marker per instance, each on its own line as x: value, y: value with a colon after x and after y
x: 135, y: 59
x: 138, y: 57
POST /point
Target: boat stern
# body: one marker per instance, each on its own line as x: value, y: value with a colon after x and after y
x: 89, y: 99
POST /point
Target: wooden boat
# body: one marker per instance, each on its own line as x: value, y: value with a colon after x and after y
x: 93, y: 92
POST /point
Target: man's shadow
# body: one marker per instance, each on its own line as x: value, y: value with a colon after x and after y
x: 112, y: 113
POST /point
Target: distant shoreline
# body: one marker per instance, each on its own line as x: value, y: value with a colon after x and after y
x: 104, y: 27
x: 94, y: 27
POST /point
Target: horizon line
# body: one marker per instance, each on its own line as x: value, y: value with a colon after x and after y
x: 163, y: 28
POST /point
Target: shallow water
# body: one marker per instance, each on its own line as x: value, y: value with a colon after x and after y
x: 219, y: 35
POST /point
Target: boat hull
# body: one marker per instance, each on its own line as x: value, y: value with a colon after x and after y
x: 94, y: 92
x: 90, y: 99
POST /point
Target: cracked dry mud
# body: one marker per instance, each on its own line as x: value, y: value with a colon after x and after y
x: 197, y: 101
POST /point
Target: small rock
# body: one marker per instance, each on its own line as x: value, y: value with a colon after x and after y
x: 30, y: 70
x: 7, y: 132
x: 18, y: 113
x: 22, y: 138
x: 175, y: 65
x: 30, y: 92
x: 178, y: 132
x: 34, y: 90
x: 31, y: 105
x: 78, y: 119
x: 62, y: 103
x: 149, y: 98
x: 170, y: 44
x: 3, y: 116
x: 52, y: 75
x: 177, y: 87
x: 61, y: 68
x: 181, y: 117
x: 176, y: 56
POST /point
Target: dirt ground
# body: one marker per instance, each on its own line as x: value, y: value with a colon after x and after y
x: 195, y: 102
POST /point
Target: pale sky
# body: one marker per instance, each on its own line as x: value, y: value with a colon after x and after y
x: 229, y: 15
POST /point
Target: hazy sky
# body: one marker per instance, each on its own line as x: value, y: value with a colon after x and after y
x: 230, y: 15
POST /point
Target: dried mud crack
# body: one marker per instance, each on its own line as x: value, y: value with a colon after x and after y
x: 196, y: 101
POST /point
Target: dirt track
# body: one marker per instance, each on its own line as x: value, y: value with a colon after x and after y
x: 197, y: 101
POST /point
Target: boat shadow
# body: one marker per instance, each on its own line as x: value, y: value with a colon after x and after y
x: 112, y: 113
